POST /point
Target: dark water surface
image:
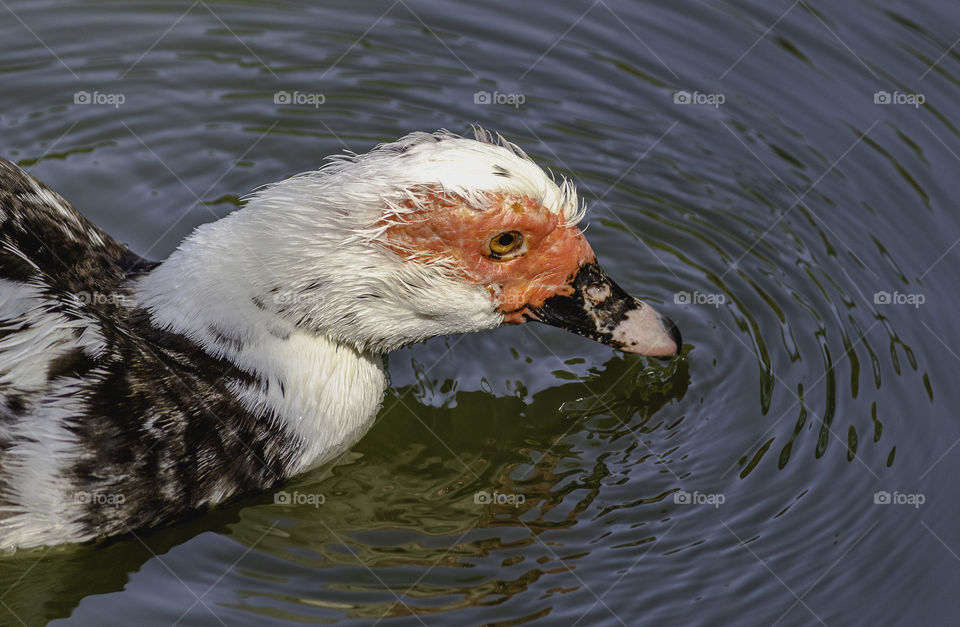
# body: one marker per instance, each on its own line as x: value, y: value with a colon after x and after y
x: 773, y: 216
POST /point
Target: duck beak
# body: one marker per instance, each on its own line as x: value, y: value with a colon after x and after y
x: 601, y: 310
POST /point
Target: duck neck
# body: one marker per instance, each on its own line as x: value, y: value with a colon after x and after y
x: 325, y: 393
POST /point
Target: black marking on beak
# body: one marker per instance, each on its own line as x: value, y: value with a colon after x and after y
x: 601, y: 310
x: 671, y: 327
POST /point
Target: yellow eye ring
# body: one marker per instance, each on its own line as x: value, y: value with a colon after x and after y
x: 508, y: 243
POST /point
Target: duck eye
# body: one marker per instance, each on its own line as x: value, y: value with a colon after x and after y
x: 505, y: 243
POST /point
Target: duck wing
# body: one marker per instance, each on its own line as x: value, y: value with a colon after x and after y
x: 107, y: 423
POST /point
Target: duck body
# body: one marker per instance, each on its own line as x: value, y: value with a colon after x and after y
x: 109, y: 423
x: 132, y: 392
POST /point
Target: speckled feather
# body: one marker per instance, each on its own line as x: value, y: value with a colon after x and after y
x: 150, y: 416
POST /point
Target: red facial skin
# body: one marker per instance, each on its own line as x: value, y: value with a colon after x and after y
x: 449, y: 228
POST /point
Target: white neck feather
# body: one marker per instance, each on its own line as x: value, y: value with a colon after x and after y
x: 223, y: 294
x: 286, y: 290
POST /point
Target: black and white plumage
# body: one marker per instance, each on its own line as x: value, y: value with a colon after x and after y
x: 107, y: 423
x: 132, y: 392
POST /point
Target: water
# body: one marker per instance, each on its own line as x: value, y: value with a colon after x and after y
x: 784, y: 211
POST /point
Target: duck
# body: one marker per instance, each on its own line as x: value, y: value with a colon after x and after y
x: 135, y: 392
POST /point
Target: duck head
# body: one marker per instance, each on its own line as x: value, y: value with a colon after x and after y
x: 430, y: 235
x: 524, y: 249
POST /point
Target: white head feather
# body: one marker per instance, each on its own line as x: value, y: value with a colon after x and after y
x: 309, y: 248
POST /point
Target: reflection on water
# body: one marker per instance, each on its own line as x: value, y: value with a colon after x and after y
x: 801, y: 232
x: 429, y: 491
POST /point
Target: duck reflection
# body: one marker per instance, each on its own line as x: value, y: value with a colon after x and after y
x: 436, y: 508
